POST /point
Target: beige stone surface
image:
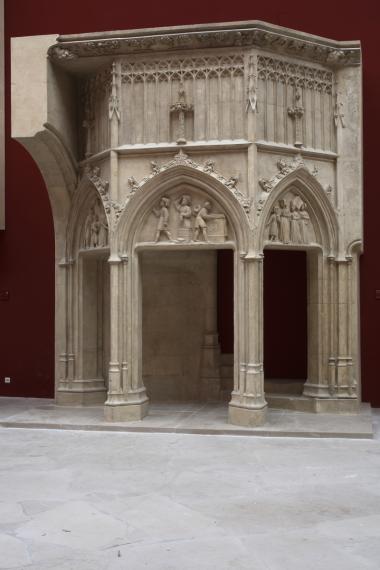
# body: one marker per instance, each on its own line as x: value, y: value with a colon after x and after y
x: 179, y: 142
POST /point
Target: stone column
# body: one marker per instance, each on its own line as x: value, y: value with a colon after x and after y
x: 210, y: 359
x: 65, y: 387
x: 127, y: 400
x: 330, y: 381
x: 248, y: 406
x: 344, y: 385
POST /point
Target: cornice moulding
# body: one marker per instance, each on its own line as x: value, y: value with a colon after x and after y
x: 70, y: 48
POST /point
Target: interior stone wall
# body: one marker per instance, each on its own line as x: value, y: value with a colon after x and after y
x: 175, y: 291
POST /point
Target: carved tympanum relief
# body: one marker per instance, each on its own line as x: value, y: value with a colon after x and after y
x: 289, y: 221
x: 181, y: 217
x: 95, y: 232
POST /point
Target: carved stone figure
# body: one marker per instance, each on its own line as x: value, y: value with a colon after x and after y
x: 103, y: 233
x: 296, y: 113
x: 183, y: 206
x: 181, y: 108
x: 289, y: 224
x: 162, y: 213
x: 274, y: 223
x: 305, y: 218
x: 203, y: 217
x: 285, y: 222
x: 95, y: 229
x: 295, y: 224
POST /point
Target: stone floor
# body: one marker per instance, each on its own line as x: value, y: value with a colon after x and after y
x: 92, y: 500
x: 190, y: 418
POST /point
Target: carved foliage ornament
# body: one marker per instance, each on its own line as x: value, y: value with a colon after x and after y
x: 182, y: 159
x: 102, y: 186
x: 283, y: 168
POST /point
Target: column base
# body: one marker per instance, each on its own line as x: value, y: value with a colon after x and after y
x: 83, y: 393
x: 124, y: 412
x: 313, y: 405
x: 249, y: 417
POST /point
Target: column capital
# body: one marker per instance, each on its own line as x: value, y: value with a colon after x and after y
x: 252, y: 257
x: 114, y: 259
x: 66, y: 262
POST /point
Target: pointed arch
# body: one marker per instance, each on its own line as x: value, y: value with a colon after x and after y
x: 320, y: 209
x: 85, y: 197
x: 147, y: 195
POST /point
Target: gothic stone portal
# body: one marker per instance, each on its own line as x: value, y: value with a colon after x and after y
x: 156, y: 154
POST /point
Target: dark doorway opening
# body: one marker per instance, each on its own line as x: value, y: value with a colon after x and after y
x: 285, y: 321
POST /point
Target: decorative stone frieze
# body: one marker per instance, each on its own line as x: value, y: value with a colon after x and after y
x: 243, y: 34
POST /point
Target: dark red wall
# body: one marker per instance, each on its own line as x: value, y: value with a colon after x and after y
x: 26, y: 248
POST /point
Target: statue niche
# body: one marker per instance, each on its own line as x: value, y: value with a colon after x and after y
x: 95, y: 227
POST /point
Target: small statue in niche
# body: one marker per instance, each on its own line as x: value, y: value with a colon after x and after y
x: 295, y: 224
x: 285, y: 222
x: 203, y: 215
x: 162, y: 213
x: 183, y: 207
